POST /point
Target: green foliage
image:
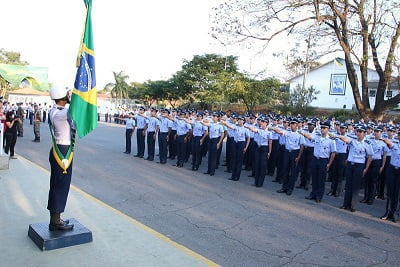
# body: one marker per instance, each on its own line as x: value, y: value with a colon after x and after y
x: 298, y: 101
x: 9, y: 57
x: 301, y: 97
x: 119, y: 89
x: 200, y: 76
x: 343, y: 115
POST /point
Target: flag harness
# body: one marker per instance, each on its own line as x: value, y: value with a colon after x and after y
x: 63, y: 161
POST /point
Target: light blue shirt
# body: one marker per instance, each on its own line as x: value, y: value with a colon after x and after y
x: 141, y: 121
x: 198, y: 128
x: 130, y: 123
x: 389, y: 153
x: 241, y: 134
x: 282, y: 138
x: 359, y: 151
x: 165, y: 124
x: 378, y: 148
x: 215, y: 130
x: 308, y: 142
x: 293, y: 140
x: 263, y: 137
x: 182, y: 127
x: 254, y: 125
x: 395, y: 149
x: 341, y: 146
x: 175, y: 124
x: 152, y: 124
x: 324, y: 146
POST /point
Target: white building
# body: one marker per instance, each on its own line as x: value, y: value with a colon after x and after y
x: 332, y: 82
x: 29, y: 95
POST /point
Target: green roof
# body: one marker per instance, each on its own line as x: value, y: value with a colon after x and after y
x: 15, y: 74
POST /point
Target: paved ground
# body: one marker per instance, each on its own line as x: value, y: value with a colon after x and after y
x: 231, y: 223
x: 118, y: 239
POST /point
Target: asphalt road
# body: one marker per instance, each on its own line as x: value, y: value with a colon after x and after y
x: 231, y: 223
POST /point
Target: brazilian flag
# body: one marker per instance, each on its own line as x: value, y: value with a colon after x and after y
x: 83, y: 107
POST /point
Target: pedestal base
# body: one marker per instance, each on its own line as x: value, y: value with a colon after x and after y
x: 48, y: 240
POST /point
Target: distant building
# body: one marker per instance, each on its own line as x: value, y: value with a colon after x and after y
x: 335, y: 91
x: 29, y: 95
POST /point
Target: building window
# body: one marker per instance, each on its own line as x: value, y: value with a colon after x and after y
x: 389, y: 93
x: 372, y: 92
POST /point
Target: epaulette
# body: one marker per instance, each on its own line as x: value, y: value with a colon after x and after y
x: 318, y: 134
x: 367, y: 141
x: 395, y: 141
x: 352, y: 137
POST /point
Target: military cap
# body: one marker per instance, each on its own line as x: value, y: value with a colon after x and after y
x: 325, y: 124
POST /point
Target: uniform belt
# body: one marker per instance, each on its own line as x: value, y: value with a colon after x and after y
x: 396, y: 168
x: 355, y: 163
x: 295, y: 150
x: 320, y: 158
x: 63, y: 142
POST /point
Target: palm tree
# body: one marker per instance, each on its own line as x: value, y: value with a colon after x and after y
x: 119, y: 89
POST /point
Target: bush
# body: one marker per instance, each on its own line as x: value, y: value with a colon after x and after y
x: 343, y: 115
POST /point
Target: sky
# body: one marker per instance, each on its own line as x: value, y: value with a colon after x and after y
x: 148, y: 40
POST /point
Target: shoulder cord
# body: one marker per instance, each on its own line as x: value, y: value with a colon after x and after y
x: 63, y: 161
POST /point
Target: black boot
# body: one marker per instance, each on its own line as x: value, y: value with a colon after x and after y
x: 56, y: 223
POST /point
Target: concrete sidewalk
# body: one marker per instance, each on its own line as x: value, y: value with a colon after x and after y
x: 118, y: 240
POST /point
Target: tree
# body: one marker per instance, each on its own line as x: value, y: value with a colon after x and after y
x: 119, y: 89
x: 252, y: 92
x: 10, y: 57
x: 364, y: 30
x: 300, y: 98
x: 199, y: 77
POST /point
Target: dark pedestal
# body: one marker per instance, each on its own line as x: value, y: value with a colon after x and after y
x: 48, y: 240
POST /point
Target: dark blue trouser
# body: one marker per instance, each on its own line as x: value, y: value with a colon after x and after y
x: 163, y: 146
x: 237, y: 158
x: 181, y: 149
x: 393, y: 189
x: 196, y: 151
x: 151, y: 145
x: 228, y: 151
x: 353, y: 182
x: 371, y: 180
x: 59, y: 183
x: 219, y: 151
x: 212, y: 154
x: 273, y: 158
x: 204, y: 147
x: 260, y: 165
x: 318, y: 177
x: 140, y: 142
x: 281, y: 157
x: 172, y: 143
x: 249, y: 156
x: 290, y: 170
x: 337, y: 172
x: 188, y: 150
x: 128, y: 140
x: 306, y: 168
x: 383, y: 178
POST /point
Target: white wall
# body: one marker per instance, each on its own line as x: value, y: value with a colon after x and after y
x: 29, y: 99
x: 321, y: 79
